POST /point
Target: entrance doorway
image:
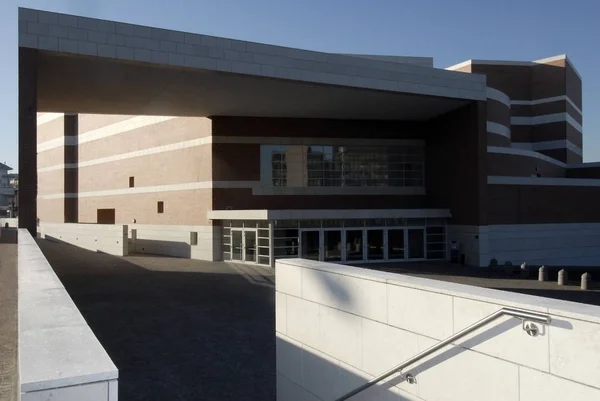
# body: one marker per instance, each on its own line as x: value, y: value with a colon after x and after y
x: 310, y: 244
x: 243, y: 245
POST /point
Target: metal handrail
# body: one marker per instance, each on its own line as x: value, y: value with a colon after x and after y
x: 525, y: 316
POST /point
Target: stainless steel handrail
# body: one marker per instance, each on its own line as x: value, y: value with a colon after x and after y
x: 525, y: 316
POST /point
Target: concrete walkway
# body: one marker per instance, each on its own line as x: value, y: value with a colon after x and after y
x: 177, y: 329
x: 8, y: 315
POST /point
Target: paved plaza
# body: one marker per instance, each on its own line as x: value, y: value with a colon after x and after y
x: 177, y: 329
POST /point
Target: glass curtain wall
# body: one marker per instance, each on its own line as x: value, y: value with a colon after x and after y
x: 342, y: 166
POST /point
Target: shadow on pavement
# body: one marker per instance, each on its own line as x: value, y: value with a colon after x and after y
x: 189, y: 333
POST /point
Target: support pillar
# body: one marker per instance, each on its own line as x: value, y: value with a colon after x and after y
x: 71, y: 172
x: 28, y: 60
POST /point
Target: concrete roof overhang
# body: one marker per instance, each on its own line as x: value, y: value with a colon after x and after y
x: 94, y: 66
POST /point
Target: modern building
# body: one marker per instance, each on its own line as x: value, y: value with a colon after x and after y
x: 7, y: 192
x: 222, y: 149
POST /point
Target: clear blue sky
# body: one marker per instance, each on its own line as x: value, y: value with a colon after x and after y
x: 449, y: 31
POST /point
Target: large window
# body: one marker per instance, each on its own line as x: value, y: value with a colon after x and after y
x: 342, y: 166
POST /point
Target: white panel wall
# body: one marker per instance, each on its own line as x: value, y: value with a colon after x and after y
x: 576, y: 244
x: 170, y: 240
x: 473, y: 242
x: 59, y: 356
x: 14, y: 222
x: 107, y: 238
x: 338, y: 326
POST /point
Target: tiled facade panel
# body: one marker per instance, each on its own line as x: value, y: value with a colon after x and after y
x: 574, y: 86
x: 521, y: 133
x: 564, y: 155
x: 548, y: 80
x: 520, y: 204
x: 498, y: 140
x: 160, y: 134
x: 515, y: 81
x: 295, y: 127
x: 521, y: 166
x: 180, y: 207
x: 550, y: 132
x: 90, y: 122
x: 586, y: 172
x: 51, y: 157
x: 455, y: 164
x: 175, y: 167
x: 498, y: 112
x: 50, y: 130
x: 574, y: 113
x: 51, y: 210
x: 51, y: 182
x: 242, y: 198
x: 235, y: 162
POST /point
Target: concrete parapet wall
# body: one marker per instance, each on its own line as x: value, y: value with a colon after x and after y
x: 175, y: 240
x: 339, y: 326
x: 59, y: 356
x: 107, y: 238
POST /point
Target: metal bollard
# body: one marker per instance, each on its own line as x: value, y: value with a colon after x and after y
x: 585, y: 281
x: 543, y: 274
x: 563, y: 277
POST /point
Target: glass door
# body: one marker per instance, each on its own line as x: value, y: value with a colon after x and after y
x: 375, y: 244
x: 332, y: 244
x: 354, y: 245
x: 396, y: 244
x: 250, y: 246
x: 236, y: 245
x: 310, y: 244
x: 416, y: 243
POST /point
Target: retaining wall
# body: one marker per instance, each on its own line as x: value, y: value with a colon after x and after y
x: 339, y: 326
x: 107, y: 238
x: 59, y: 356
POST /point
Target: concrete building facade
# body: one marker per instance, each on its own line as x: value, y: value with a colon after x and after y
x: 222, y: 149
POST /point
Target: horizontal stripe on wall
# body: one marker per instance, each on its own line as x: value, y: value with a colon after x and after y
x: 544, y: 181
x: 232, y: 139
x: 498, y: 129
x: 190, y: 186
x: 497, y: 95
x: 47, y: 117
x: 525, y: 153
x: 547, y: 145
x: 546, y: 119
x: 546, y: 100
x: 103, y: 132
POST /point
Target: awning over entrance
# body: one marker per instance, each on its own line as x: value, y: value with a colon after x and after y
x: 327, y: 214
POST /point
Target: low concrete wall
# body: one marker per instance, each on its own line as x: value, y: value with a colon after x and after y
x: 339, y: 326
x: 59, y: 356
x: 107, y: 238
x: 172, y: 240
x: 576, y: 244
x: 11, y: 222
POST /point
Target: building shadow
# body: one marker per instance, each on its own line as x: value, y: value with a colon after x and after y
x: 189, y: 335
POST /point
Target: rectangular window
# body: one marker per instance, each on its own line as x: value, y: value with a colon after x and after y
x: 342, y: 166
x: 193, y: 238
x: 160, y: 207
x: 131, y: 182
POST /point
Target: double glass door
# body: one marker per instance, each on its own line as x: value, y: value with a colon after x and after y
x: 243, y: 245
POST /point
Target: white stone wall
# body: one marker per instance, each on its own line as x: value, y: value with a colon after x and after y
x: 107, y: 238
x: 338, y: 326
x: 14, y: 222
x: 174, y: 240
x: 576, y: 244
x: 59, y: 356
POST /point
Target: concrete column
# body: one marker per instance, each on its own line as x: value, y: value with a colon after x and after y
x: 28, y: 59
x: 71, y: 174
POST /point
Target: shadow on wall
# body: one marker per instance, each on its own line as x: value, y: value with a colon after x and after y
x: 307, y: 374
x: 193, y: 335
x: 177, y: 249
